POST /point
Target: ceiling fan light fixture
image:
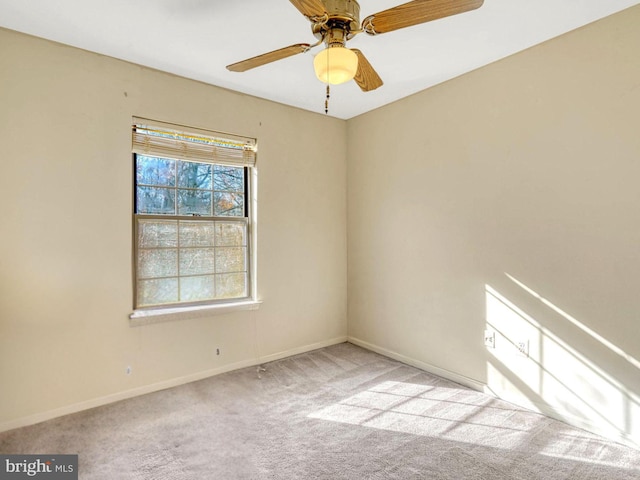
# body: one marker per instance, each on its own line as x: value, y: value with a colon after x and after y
x: 335, y: 65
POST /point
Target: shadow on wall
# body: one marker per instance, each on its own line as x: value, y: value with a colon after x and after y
x: 531, y: 365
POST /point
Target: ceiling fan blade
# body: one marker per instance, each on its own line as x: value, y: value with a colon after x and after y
x: 310, y: 8
x: 415, y: 13
x: 265, y: 58
x: 366, y: 77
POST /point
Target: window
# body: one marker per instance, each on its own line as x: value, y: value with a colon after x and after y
x: 192, y: 216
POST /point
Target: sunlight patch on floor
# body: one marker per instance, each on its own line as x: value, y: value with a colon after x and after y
x: 462, y: 416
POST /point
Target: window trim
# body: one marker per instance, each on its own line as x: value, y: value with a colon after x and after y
x: 150, y: 316
x: 174, y: 311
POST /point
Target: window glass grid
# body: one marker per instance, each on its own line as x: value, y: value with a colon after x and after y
x: 222, y: 280
x: 180, y: 187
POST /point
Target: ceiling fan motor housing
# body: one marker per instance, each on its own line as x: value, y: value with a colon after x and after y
x: 343, y: 15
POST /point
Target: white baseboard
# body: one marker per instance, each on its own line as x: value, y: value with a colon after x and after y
x: 299, y: 350
x: 461, y: 379
x: 174, y: 382
x: 454, y: 377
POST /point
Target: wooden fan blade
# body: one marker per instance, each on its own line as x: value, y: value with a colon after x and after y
x: 416, y: 12
x: 265, y: 58
x: 310, y: 8
x: 366, y: 77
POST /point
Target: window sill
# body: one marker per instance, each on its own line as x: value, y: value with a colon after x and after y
x: 147, y: 317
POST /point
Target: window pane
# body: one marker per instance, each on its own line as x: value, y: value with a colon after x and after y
x: 193, y: 289
x: 197, y: 261
x: 194, y: 175
x: 197, y: 234
x: 231, y: 234
x: 155, y: 171
x: 230, y: 259
x: 157, y: 291
x: 196, y: 202
x: 228, y: 179
x: 228, y: 204
x: 157, y: 233
x: 153, y: 200
x: 231, y: 285
x: 157, y: 263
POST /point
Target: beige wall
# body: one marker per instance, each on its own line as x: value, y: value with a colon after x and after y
x: 65, y: 246
x: 529, y: 168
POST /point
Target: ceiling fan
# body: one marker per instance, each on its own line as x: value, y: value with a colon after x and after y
x: 334, y: 22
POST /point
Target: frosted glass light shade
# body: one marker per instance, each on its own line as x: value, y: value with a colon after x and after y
x: 335, y: 65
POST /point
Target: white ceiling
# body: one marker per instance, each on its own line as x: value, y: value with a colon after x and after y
x: 198, y: 38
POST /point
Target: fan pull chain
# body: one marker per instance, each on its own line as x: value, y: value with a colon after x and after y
x: 326, y: 102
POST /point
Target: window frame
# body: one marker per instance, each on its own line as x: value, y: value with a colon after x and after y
x: 248, y: 220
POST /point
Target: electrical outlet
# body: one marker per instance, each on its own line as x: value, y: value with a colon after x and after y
x: 523, y: 347
x: 490, y: 339
x: 217, y: 351
x: 128, y: 370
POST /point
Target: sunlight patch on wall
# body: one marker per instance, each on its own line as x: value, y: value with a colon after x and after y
x: 552, y: 375
x: 614, y: 348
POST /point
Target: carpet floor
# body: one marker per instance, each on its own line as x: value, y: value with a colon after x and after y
x: 340, y: 412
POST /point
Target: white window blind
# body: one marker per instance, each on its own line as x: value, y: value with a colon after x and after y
x: 169, y: 141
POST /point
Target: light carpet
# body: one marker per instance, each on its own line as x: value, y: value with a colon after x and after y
x: 340, y: 412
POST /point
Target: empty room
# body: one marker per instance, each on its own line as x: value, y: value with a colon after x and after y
x: 406, y: 248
